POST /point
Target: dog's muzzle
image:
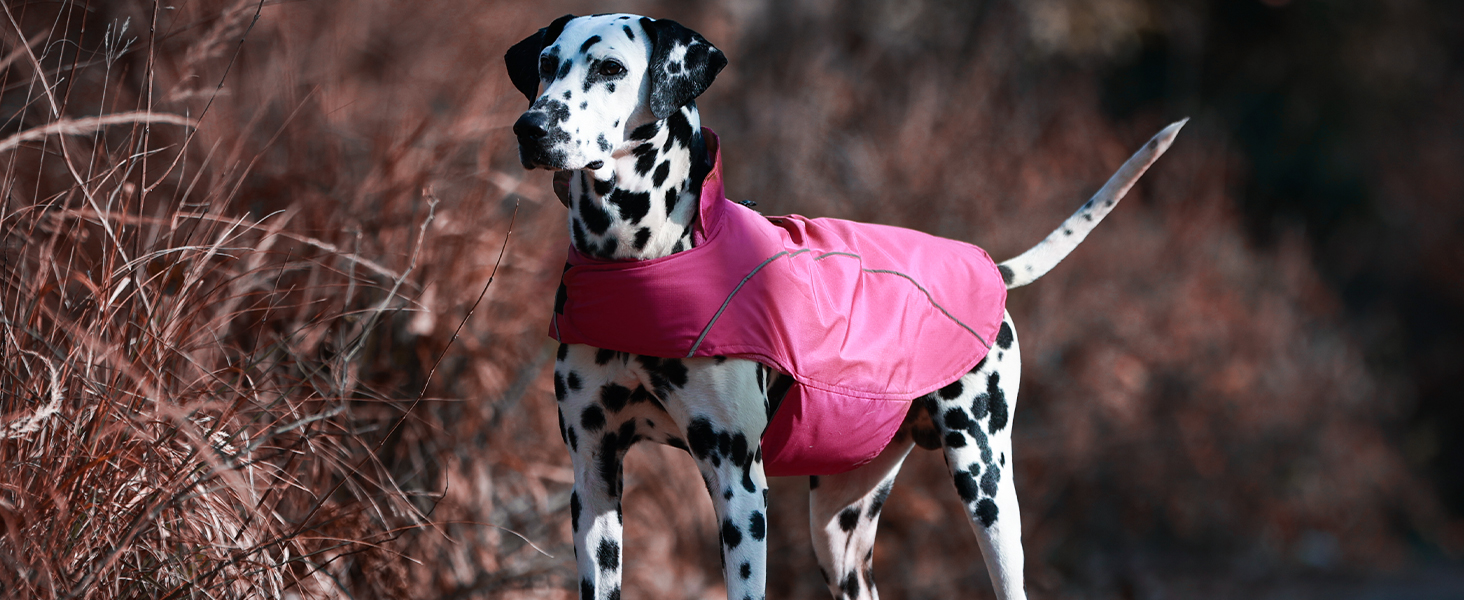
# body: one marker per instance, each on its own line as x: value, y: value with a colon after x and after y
x: 532, y: 129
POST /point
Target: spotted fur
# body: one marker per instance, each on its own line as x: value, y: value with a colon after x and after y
x: 613, y: 114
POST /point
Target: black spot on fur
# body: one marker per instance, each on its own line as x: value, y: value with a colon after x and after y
x: 952, y: 391
x: 850, y: 585
x: 574, y: 510
x: 645, y: 132
x: 849, y: 519
x: 587, y: 589
x: 989, y: 479
x: 747, y: 483
x: 603, y: 356
x: 1006, y: 274
x: 757, y: 526
x: 678, y: 247
x: 573, y: 381
x: 594, y: 39
x: 558, y: 387
x: 999, y: 414
x: 680, y: 128
x: 666, y: 374
x: 593, y: 418
x: 956, y: 419
x: 633, y: 205
x: 604, y: 147
x: 610, y: 87
x: 663, y: 170
x: 573, y: 439
x: 562, y: 435
x: 628, y: 33
x: 966, y: 487
x: 731, y: 535
x: 746, y: 570
x: 702, y: 437
x: 876, y: 504
x: 739, y: 450
x: 955, y: 439
x: 562, y: 352
x: 603, y: 187
x: 594, y: 217
x: 614, y: 594
x: 608, y: 555
x: 982, y: 442
x: 981, y: 406
x: 645, y: 158
x: 614, y: 396
x: 676, y: 442
x: 1004, y: 337
x: 584, y: 105
x: 642, y: 236
x: 985, y: 512
x: 641, y: 395
x: 609, y: 456
x: 628, y: 436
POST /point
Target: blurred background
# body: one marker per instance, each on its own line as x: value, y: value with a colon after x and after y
x: 1245, y: 383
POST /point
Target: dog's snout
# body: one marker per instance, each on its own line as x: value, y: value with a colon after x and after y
x: 532, y: 125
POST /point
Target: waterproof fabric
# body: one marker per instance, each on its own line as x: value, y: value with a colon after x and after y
x: 864, y: 317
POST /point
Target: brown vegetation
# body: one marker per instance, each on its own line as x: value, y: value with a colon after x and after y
x: 250, y: 348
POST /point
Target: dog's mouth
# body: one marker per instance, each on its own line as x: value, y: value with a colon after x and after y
x: 535, y: 156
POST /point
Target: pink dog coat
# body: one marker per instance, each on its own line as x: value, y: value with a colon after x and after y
x: 863, y: 317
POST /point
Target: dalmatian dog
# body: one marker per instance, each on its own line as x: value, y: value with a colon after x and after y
x: 613, y: 115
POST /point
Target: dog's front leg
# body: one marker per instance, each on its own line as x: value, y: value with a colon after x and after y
x: 596, y: 519
x: 725, y: 414
x: 598, y: 436
x: 734, y: 478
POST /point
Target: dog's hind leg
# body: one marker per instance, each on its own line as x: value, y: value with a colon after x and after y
x: 973, y: 416
x: 844, y: 513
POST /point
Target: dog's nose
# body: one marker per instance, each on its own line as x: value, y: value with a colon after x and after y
x: 532, y: 126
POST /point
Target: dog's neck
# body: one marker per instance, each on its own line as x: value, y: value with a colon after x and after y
x: 644, y: 203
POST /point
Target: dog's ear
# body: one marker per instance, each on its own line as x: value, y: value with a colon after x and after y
x: 683, y: 64
x: 523, y: 58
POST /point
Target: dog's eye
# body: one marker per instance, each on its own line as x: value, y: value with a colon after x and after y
x: 547, y: 65
x: 611, y: 68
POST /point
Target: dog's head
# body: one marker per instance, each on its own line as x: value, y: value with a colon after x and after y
x: 603, y: 76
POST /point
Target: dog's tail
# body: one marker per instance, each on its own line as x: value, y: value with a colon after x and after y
x: 1040, y: 259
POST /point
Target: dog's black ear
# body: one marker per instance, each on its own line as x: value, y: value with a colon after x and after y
x: 677, y: 75
x: 523, y: 58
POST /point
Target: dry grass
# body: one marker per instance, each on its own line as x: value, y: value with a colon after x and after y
x: 238, y: 257
x: 182, y: 409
